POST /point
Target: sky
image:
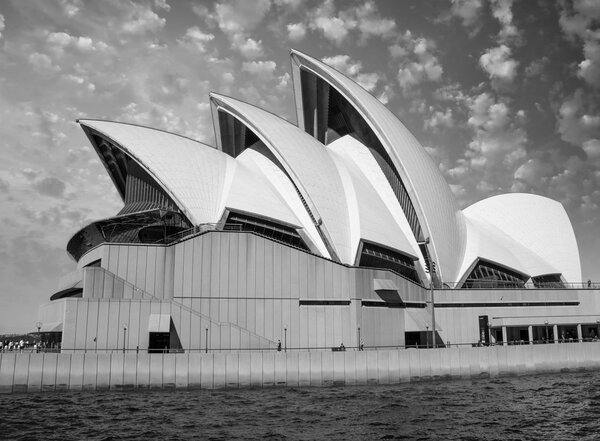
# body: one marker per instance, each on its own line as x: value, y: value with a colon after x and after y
x: 504, y: 95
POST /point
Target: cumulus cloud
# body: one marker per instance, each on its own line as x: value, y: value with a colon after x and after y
x: 500, y: 67
x: 2, y: 25
x: 236, y: 18
x: 195, y: 38
x: 589, y: 69
x: 296, y: 31
x: 162, y: 4
x: 579, y: 24
x: 468, y: 11
x: 439, y: 119
x: 50, y: 186
x: 59, y: 41
x: 264, y: 69
x: 332, y: 27
x: 337, y: 25
x: 502, y: 11
x: 251, y: 48
x: 371, y: 24
x: 497, y: 149
x: 42, y: 63
x: 418, y: 64
x: 4, y: 185
x: 141, y: 19
x: 592, y: 149
x: 344, y: 64
x: 577, y: 120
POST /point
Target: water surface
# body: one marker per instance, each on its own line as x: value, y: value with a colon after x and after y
x: 548, y: 407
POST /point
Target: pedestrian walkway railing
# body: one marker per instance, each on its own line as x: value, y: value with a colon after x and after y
x: 339, y: 348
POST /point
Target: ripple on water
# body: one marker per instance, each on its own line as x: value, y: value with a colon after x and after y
x: 515, y: 408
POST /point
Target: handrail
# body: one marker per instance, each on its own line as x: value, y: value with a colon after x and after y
x: 447, y: 345
x: 498, y: 284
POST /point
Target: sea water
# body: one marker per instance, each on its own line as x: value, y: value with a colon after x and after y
x: 562, y: 406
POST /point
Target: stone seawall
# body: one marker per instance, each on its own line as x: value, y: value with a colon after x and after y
x: 21, y: 372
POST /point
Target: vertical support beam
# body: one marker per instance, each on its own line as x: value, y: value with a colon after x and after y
x: 530, y: 334
x: 504, y: 336
x: 555, y: 333
x: 579, y: 333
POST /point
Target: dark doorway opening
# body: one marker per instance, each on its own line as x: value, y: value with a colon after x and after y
x: 159, y: 342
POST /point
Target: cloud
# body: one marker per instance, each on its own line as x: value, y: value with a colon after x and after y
x: 196, y: 39
x: 500, y: 67
x: 42, y: 63
x: 439, y: 119
x: 589, y: 69
x: 577, y: 120
x: 469, y: 12
x: 337, y: 25
x: 162, y: 4
x: 71, y: 7
x: 344, y: 64
x: 250, y: 48
x: 263, y: 69
x: 370, y: 23
x: 592, y: 149
x: 497, y: 148
x: 50, y: 186
x: 236, y: 18
x: 4, y: 185
x: 502, y: 11
x: 332, y: 27
x: 296, y: 31
x: 536, y: 67
x: 140, y: 20
x: 580, y: 24
x: 425, y: 66
x: 1, y: 24
x: 59, y: 41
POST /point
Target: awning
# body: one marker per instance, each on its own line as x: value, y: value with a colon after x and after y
x: 51, y: 327
x: 418, y: 320
x: 159, y: 323
x: 384, y: 285
x: 73, y: 290
x: 387, y: 290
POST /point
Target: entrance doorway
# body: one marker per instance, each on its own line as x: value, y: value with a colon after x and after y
x: 159, y: 342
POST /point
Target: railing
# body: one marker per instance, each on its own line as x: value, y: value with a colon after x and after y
x: 499, y: 284
x: 274, y: 348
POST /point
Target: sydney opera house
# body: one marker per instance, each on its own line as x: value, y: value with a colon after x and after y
x: 338, y: 230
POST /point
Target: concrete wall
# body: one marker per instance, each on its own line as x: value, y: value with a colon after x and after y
x: 252, y: 283
x: 92, y: 324
x: 460, y: 323
x: 45, y: 372
x: 256, y: 285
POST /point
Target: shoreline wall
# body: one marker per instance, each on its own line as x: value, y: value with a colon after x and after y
x: 24, y: 372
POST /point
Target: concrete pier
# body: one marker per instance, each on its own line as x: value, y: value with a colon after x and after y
x: 31, y: 372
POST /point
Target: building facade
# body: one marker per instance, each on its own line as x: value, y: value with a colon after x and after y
x: 338, y: 231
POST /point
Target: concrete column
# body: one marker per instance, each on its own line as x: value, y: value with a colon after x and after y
x: 504, y: 336
x: 530, y: 333
x: 579, y: 333
x: 555, y: 332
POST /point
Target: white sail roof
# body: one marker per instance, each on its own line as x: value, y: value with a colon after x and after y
x: 191, y: 173
x: 308, y: 165
x: 539, y: 225
x: 431, y: 196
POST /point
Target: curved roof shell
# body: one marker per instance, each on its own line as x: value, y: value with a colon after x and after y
x: 431, y: 196
x: 539, y: 225
x: 191, y: 173
x: 201, y: 180
x: 308, y: 165
x: 281, y: 184
x: 375, y: 215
